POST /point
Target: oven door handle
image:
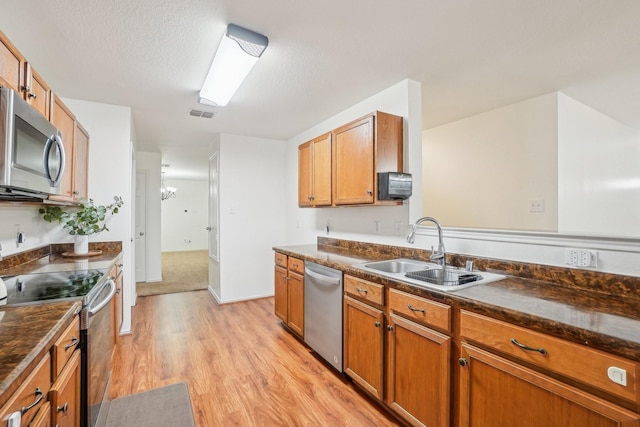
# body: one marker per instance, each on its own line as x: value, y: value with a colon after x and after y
x: 94, y: 309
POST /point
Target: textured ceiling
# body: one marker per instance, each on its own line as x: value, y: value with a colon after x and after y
x: 469, y: 55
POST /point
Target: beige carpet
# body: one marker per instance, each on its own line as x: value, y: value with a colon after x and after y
x: 181, y: 272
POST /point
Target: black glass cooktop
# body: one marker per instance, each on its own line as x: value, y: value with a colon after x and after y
x: 28, y: 288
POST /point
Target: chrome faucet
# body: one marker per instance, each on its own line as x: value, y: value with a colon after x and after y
x: 438, y: 255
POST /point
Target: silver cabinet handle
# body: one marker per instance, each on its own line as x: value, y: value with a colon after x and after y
x: 526, y: 347
x: 377, y: 324
x: 361, y: 291
x: 63, y: 408
x: 412, y: 308
x: 463, y: 362
x: 40, y: 395
x: 73, y: 342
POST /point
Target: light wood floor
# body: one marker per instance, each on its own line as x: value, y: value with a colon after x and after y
x: 242, y: 368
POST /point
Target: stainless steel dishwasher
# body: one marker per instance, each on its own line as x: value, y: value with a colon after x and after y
x: 323, y: 312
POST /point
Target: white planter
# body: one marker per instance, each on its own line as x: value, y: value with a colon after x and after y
x: 81, y: 244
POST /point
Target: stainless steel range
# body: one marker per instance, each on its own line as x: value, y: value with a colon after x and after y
x: 96, y: 292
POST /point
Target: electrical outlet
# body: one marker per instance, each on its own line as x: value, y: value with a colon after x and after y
x: 581, y: 257
x: 536, y: 205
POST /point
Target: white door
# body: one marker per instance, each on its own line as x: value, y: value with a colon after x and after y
x: 140, y: 233
x: 213, y: 208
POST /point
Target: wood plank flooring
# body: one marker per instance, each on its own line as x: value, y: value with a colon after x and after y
x: 241, y: 366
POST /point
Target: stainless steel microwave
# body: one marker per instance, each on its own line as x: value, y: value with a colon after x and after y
x: 32, y: 157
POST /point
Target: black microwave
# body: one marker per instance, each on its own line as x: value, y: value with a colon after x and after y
x: 32, y: 157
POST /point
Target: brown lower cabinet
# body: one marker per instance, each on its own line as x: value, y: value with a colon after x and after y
x: 65, y: 394
x: 364, y: 345
x: 289, y: 292
x: 43, y: 419
x: 395, y: 356
x: 497, y: 392
x: 417, y: 372
x: 399, y: 348
x: 31, y: 395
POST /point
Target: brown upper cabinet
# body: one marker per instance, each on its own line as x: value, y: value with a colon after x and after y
x: 36, y: 91
x: 12, y: 65
x: 63, y: 119
x: 314, y: 172
x: 359, y: 150
x: 16, y: 73
x: 80, y: 163
x: 75, y: 139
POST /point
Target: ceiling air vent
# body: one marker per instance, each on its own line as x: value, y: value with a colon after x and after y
x: 203, y: 114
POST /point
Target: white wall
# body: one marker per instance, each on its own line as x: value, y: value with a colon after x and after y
x: 28, y: 221
x: 184, y: 217
x: 110, y: 174
x: 251, y: 217
x: 150, y: 164
x: 482, y: 171
x: 599, y: 163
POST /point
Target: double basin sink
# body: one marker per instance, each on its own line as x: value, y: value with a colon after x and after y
x: 428, y: 275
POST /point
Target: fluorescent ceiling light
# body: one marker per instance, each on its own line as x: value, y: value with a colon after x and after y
x: 238, y: 52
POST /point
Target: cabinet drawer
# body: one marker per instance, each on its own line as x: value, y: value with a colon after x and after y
x: 580, y: 363
x: 31, y: 394
x: 420, y: 310
x: 281, y: 260
x: 296, y: 265
x: 364, y: 290
x: 66, y: 344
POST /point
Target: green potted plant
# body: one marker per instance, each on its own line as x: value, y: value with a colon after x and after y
x: 83, y: 220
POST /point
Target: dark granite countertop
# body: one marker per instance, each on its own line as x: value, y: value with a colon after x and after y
x: 606, y: 322
x: 27, y: 333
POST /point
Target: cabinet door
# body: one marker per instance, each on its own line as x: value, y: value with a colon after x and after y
x: 363, y: 345
x: 322, y: 170
x: 305, y: 174
x: 37, y: 93
x: 11, y: 65
x: 418, y: 373
x: 295, y: 300
x: 80, y: 163
x: 63, y: 119
x: 281, y: 293
x: 498, y: 392
x: 65, y: 394
x: 43, y: 418
x: 353, y: 179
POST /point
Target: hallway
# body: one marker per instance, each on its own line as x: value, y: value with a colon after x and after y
x: 182, y: 271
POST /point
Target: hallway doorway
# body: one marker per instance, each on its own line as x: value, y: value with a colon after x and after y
x: 182, y: 271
